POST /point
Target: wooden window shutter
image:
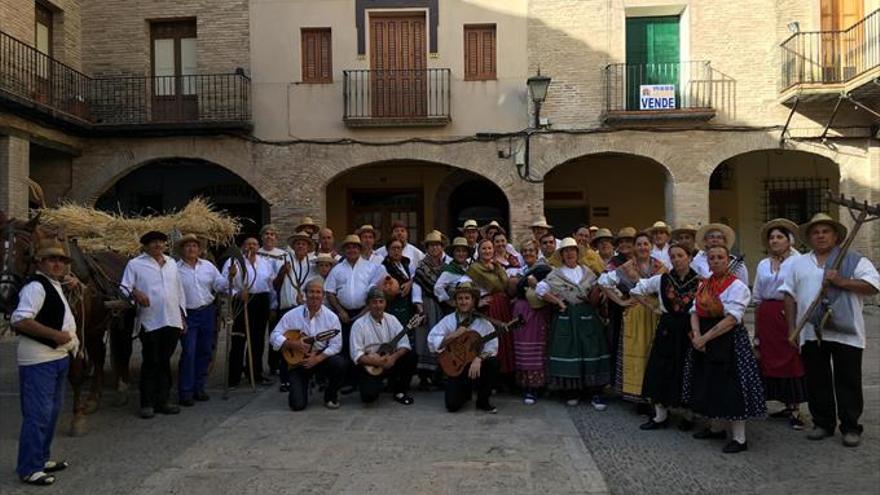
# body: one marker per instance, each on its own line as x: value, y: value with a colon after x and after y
x: 479, y: 52
x: 317, y: 64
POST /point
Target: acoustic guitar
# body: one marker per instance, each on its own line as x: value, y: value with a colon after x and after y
x: 464, y: 348
x: 388, y: 348
x: 296, y: 358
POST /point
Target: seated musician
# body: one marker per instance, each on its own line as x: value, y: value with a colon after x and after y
x: 483, y: 370
x: 371, y: 330
x: 322, y: 358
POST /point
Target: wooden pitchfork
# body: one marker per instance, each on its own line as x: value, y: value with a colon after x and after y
x: 866, y: 213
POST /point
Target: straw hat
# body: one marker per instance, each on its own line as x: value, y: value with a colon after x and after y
x: 777, y: 223
x: 826, y: 219
x: 469, y: 224
x: 602, y: 233
x: 308, y: 225
x: 325, y: 258
x: 468, y: 287
x: 459, y: 242
x: 437, y: 237
x: 566, y: 243
x: 178, y: 245
x: 365, y: 228
x: 541, y: 222
x: 726, y: 231
x: 686, y: 228
x: 351, y: 239
x: 593, y: 229
x: 658, y: 225
x: 625, y: 233
x: 51, y: 247
x: 301, y: 235
x: 268, y: 228
x: 489, y: 226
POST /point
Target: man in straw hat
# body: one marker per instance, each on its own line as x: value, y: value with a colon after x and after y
x: 367, y: 234
x: 660, y: 234
x: 471, y: 233
x: 308, y: 226
x: 276, y: 257
x: 347, y: 287
x: 374, y: 328
x: 602, y: 242
x: 685, y: 235
x: 47, y: 331
x: 400, y: 231
x: 482, y: 372
x: 843, y: 337
x: 462, y: 255
x: 154, y: 282
x: 323, y: 358
x: 540, y: 228
x: 709, y: 236
x: 200, y: 280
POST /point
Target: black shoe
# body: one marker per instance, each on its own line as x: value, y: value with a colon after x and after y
x: 487, y: 407
x: 734, y: 447
x: 404, y: 399
x: 284, y: 387
x: 187, y: 402
x: 685, y: 425
x: 168, y: 409
x: 707, y: 434
x: 653, y: 425
x: 202, y: 397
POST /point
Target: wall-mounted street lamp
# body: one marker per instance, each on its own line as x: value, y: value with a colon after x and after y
x: 538, y: 85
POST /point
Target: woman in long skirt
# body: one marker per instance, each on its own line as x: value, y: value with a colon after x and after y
x: 402, y: 271
x: 780, y: 363
x: 722, y: 381
x: 664, y: 375
x: 579, y: 361
x: 530, y: 342
x: 639, y: 321
x: 491, y: 278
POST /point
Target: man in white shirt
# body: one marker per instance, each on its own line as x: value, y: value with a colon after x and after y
x: 471, y: 232
x: 298, y: 269
x: 200, y: 280
x: 842, y: 341
x: 154, y: 283
x: 709, y: 236
x: 373, y: 329
x: 322, y: 358
x: 47, y: 336
x: 346, y: 288
x: 482, y: 372
x: 400, y: 232
x: 367, y: 235
x: 327, y: 244
x: 660, y: 234
x: 275, y: 256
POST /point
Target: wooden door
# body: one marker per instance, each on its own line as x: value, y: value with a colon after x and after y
x: 398, y: 56
x: 840, y: 51
x: 43, y: 24
x: 174, y: 82
x: 652, y: 55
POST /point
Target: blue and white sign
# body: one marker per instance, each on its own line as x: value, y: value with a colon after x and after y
x: 657, y: 97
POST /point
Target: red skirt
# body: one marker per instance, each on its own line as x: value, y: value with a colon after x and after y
x: 779, y: 359
x: 499, y: 309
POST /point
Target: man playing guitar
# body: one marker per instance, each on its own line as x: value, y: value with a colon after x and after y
x: 322, y: 358
x: 482, y: 372
x: 370, y: 331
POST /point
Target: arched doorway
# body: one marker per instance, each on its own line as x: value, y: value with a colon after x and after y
x: 425, y: 195
x: 166, y: 185
x: 610, y: 190
x: 749, y: 189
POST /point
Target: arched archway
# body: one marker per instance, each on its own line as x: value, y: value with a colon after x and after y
x: 751, y: 188
x: 426, y: 195
x: 168, y: 184
x: 606, y: 189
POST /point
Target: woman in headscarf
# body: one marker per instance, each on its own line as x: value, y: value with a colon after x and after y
x: 639, y: 321
x: 579, y: 361
x: 491, y: 278
x: 530, y: 342
x: 780, y: 362
x: 426, y: 276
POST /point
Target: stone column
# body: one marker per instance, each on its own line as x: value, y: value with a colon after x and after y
x: 687, y: 194
x: 526, y: 203
x: 14, y: 171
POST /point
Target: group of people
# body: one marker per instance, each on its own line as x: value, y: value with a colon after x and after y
x: 653, y: 316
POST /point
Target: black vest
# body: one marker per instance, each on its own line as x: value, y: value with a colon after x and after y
x: 51, y: 314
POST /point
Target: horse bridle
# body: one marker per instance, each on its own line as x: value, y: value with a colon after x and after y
x: 9, y: 277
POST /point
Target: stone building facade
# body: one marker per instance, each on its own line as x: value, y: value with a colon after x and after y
x: 370, y: 110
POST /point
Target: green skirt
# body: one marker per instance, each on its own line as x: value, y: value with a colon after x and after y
x: 401, y: 308
x: 578, y: 350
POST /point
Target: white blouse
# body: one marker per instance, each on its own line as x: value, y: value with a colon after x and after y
x: 768, y: 282
x: 574, y: 275
x: 735, y: 300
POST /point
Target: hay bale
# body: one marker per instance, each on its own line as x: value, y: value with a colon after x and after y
x: 97, y: 230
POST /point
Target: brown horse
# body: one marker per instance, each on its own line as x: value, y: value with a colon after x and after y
x: 99, y: 274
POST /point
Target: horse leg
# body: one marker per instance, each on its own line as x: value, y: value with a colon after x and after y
x: 120, y: 354
x: 97, y: 351
x: 76, y: 376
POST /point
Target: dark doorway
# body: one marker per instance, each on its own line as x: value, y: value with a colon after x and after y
x: 480, y: 200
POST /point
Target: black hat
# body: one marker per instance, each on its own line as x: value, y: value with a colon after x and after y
x: 153, y: 235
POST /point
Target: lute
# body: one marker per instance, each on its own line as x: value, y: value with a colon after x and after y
x: 295, y: 358
x: 388, y: 348
x: 460, y: 351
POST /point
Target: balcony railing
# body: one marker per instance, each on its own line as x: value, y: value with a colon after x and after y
x: 396, y: 97
x: 666, y: 88
x: 36, y: 81
x: 831, y: 57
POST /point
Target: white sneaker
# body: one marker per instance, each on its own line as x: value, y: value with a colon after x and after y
x: 598, y: 403
x: 529, y: 400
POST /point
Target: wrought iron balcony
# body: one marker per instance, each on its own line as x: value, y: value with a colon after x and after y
x: 832, y: 58
x: 388, y: 98
x: 666, y: 91
x: 41, y: 86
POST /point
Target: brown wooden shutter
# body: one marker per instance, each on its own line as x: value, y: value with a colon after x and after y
x: 479, y: 52
x: 317, y: 62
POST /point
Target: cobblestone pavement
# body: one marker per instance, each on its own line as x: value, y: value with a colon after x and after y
x: 779, y: 460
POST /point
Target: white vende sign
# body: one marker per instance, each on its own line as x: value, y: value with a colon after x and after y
x: 657, y: 97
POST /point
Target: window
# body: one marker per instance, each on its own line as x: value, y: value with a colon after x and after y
x: 317, y: 65
x: 43, y: 38
x: 796, y: 198
x: 174, y: 57
x: 479, y: 52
